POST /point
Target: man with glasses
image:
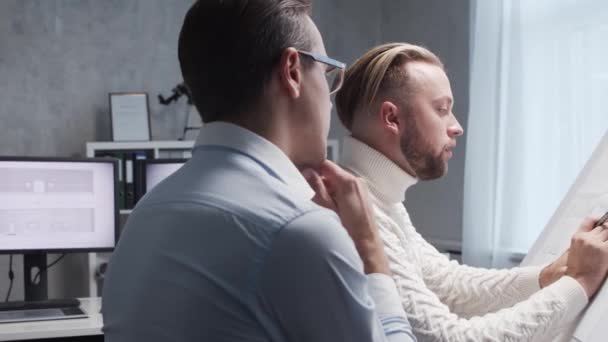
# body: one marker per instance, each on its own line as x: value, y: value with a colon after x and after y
x: 334, y: 70
x: 231, y: 247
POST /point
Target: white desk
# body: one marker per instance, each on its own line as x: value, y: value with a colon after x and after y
x: 90, y: 326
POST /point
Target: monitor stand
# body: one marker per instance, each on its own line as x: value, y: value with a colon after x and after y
x: 32, y: 264
x: 36, y: 305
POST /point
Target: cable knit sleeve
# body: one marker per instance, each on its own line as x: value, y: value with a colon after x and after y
x: 470, y: 291
x: 536, y: 319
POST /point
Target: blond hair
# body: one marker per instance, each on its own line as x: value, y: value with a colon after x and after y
x: 373, y: 74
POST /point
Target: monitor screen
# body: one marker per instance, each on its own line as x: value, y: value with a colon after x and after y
x: 157, y: 170
x: 55, y: 205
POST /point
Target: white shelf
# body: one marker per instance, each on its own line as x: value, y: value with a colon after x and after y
x: 160, y: 148
x: 129, y: 145
x: 156, y: 146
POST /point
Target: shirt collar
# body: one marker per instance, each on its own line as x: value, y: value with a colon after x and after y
x: 385, y: 178
x: 245, y: 141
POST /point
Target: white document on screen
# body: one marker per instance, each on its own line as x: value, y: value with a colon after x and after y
x: 587, y: 197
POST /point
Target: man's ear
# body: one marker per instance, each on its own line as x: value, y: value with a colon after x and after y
x: 390, y: 117
x: 290, y: 72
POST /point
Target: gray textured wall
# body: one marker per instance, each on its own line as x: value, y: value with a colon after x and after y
x: 443, y: 27
x: 352, y: 27
x: 58, y: 61
x: 349, y: 28
x: 60, y: 58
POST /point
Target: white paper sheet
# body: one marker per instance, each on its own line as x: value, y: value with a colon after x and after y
x: 587, y: 197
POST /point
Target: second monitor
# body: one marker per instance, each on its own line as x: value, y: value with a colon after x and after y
x: 150, y: 172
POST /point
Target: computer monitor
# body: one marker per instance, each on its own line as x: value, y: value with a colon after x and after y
x: 153, y: 171
x: 56, y: 205
x: 159, y: 169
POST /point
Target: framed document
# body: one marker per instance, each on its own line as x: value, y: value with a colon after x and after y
x: 130, y: 116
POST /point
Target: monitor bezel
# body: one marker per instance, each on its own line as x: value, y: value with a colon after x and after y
x: 106, y: 160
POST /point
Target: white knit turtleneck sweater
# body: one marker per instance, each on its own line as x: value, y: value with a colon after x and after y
x: 446, y: 301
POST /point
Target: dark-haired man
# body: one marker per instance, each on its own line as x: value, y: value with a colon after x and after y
x: 231, y: 247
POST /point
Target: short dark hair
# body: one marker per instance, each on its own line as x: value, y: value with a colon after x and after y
x: 228, y: 49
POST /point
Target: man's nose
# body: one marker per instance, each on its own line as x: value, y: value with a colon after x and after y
x: 455, y: 129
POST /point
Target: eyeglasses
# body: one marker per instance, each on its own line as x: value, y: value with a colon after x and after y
x: 334, y: 72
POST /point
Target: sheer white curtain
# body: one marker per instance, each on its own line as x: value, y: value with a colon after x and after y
x: 538, y: 107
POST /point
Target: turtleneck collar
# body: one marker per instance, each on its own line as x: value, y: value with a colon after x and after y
x: 387, y: 181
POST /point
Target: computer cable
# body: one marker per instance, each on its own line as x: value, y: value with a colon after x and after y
x: 37, y: 276
x: 11, y: 276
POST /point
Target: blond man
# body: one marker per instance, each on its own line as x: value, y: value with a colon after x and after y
x: 397, y: 103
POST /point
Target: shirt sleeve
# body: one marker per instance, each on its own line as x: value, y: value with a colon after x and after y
x: 313, y: 284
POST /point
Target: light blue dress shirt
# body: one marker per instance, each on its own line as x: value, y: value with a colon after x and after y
x: 231, y: 248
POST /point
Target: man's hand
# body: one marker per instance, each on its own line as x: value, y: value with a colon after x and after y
x: 338, y: 190
x: 588, y: 256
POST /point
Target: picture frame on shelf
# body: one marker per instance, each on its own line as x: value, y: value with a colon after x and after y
x: 130, y: 116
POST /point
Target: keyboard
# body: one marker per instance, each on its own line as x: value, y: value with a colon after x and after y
x: 38, y: 305
x: 46, y: 310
